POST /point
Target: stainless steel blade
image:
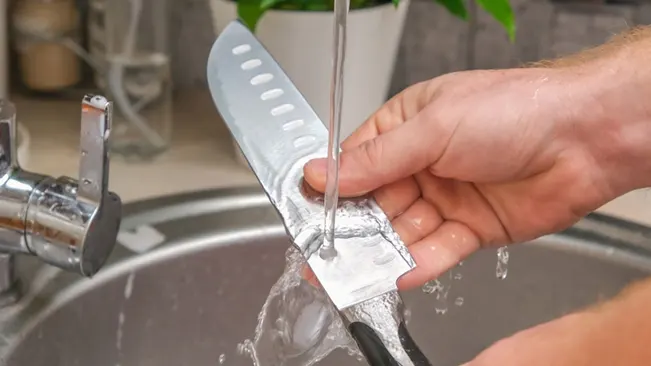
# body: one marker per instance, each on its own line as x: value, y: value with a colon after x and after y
x: 278, y: 132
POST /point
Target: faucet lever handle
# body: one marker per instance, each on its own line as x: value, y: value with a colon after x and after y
x: 96, y: 118
x: 8, y: 154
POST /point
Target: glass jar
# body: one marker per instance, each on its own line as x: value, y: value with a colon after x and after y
x: 131, y: 38
x: 42, y: 28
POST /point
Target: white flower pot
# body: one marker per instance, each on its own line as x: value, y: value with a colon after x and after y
x: 301, y: 42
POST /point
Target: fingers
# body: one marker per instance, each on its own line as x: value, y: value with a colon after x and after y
x: 417, y: 222
x: 438, y: 252
x: 464, y: 202
x: 395, y: 198
x: 376, y: 142
x: 434, y: 253
x: 394, y: 155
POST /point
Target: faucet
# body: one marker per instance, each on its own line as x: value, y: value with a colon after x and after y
x: 68, y: 223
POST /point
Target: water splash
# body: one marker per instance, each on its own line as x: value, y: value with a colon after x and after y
x: 128, y: 288
x: 222, y: 359
x: 407, y: 316
x: 297, y: 325
x: 128, y: 291
x: 502, y: 269
x: 458, y: 301
x: 441, y: 287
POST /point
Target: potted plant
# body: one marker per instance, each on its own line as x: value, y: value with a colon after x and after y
x: 299, y: 34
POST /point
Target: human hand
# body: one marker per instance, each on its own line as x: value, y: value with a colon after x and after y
x: 613, y: 333
x: 482, y: 158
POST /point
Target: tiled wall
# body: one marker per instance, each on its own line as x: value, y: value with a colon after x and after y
x: 435, y: 43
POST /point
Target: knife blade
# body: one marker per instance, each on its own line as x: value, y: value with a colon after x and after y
x: 278, y: 132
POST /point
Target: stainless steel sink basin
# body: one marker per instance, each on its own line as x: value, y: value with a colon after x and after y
x: 197, y: 295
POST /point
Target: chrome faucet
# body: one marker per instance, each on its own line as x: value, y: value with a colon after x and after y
x: 71, y: 224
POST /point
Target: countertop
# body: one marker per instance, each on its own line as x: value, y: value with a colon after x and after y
x: 202, y: 154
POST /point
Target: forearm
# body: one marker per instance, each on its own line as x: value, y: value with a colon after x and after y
x: 623, y: 326
x: 610, y: 88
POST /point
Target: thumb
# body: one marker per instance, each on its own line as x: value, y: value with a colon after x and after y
x: 398, y: 153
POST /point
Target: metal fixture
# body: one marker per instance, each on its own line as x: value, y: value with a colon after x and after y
x: 68, y: 223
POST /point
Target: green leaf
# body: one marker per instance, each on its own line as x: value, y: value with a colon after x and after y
x: 501, y: 10
x: 317, y: 5
x: 268, y: 4
x: 249, y: 12
x: 456, y: 7
x: 395, y: 3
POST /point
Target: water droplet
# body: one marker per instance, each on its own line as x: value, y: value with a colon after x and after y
x: 502, y: 268
x: 128, y: 288
x: 282, y: 109
x: 84, y: 152
x: 251, y: 64
x: 407, y: 316
x: 243, y: 48
x: 458, y: 276
x: 441, y: 311
x: 261, y: 79
x: 432, y: 287
x: 86, y: 181
x: 458, y: 301
x: 271, y: 94
x: 245, y: 348
x: 222, y: 359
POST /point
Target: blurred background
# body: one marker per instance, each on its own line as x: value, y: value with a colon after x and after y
x: 149, y: 57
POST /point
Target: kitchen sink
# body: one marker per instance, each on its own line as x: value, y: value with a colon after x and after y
x: 192, y: 272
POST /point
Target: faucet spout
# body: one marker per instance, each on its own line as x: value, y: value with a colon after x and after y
x: 69, y: 223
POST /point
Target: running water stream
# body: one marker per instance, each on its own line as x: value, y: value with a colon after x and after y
x: 297, y: 324
x: 331, y: 197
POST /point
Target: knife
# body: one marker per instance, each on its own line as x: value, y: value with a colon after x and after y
x: 278, y: 132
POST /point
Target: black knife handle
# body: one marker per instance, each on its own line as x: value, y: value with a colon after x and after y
x: 378, y: 327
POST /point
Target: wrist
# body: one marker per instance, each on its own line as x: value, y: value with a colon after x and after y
x: 613, y: 117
